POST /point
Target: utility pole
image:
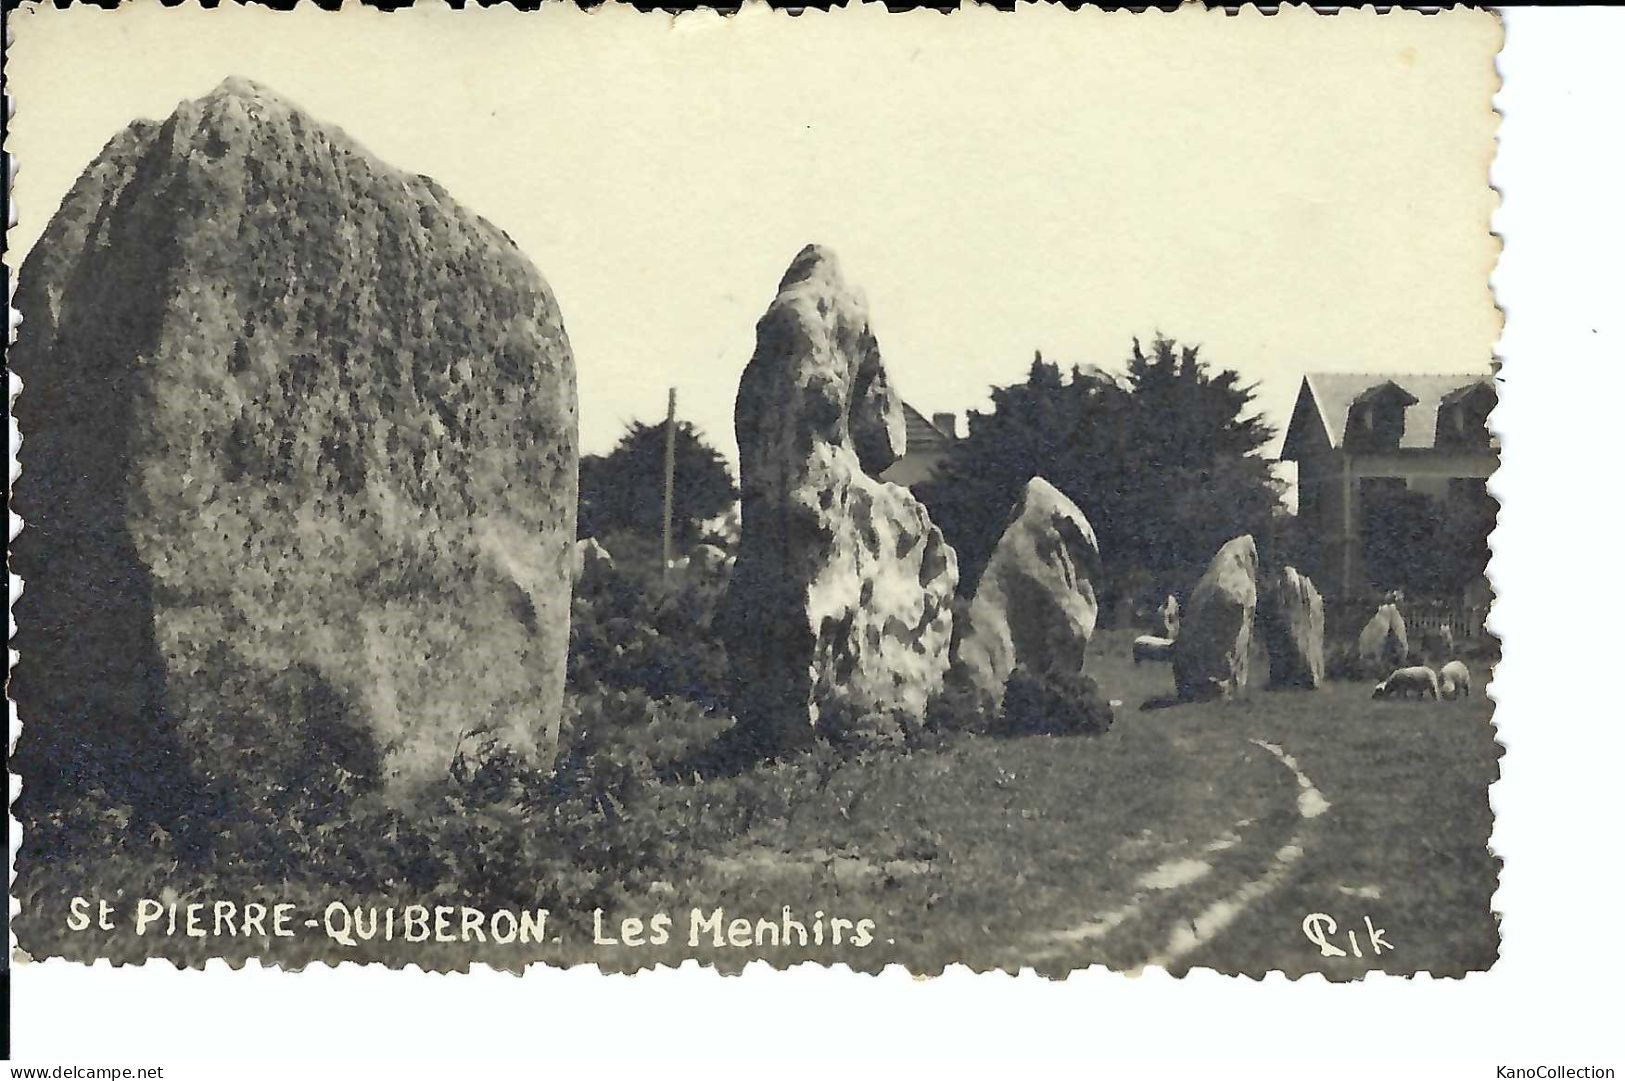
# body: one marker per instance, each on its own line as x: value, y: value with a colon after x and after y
x: 671, y: 479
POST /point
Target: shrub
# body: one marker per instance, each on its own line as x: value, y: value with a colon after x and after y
x: 575, y: 836
x: 1056, y: 705
x: 1435, y: 644
x: 601, y: 805
x: 643, y: 633
x: 960, y: 707
x: 1343, y: 661
x: 613, y: 741
x: 878, y: 730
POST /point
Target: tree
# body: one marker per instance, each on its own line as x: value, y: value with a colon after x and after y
x: 1163, y: 461
x: 1428, y: 546
x: 1400, y: 538
x: 621, y: 491
x: 1467, y: 521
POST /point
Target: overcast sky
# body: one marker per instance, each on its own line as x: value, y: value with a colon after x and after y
x: 1294, y: 193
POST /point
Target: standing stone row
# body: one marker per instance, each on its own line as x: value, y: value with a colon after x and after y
x: 1212, y: 655
x: 839, y: 617
x: 318, y: 481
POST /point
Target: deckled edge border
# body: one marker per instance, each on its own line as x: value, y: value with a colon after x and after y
x: 16, y: 524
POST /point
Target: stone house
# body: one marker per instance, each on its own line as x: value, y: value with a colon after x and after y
x: 1362, y: 439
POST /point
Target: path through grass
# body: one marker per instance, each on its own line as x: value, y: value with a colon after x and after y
x: 1178, y: 835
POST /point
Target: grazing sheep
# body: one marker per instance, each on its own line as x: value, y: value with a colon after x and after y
x: 1455, y: 679
x: 1419, y: 680
x: 1148, y: 647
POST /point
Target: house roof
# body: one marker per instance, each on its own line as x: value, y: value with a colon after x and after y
x: 922, y: 434
x: 1326, y: 397
x: 1468, y: 390
x: 928, y: 447
x: 1386, y: 389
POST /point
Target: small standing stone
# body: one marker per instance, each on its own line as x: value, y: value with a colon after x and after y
x: 1384, y: 645
x: 1035, y: 605
x: 1292, y: 619
x: 1211, y: 654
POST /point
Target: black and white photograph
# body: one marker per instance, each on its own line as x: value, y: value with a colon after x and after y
x: 969, y: 601
x: 1007, y: 492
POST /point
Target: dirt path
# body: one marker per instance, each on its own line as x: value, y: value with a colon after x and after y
x: 1177, y: 906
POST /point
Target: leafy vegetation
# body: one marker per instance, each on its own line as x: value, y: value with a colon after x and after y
x: 988, y: 851
x: 647, y: 631
x: 1037, y: 703
x: 1427, y: 546
x: 1164, y: 463
x: 620, y: 491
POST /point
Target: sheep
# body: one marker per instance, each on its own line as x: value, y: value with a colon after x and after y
x: 1149, y: 647
x: 1454, y: 679
x: 1419, y: 680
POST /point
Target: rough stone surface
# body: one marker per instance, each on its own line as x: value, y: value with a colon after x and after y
x: 1292, y: 620
x: 1035, y: 604
x: 300, y: 471
x: 838, y: 611
x: 1384, y: 645
x: 1211, y: 654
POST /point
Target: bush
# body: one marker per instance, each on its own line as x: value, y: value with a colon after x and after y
x: 1056, y: 705
x: 496, y: 833
x: 644, y: 633
x: 857, y: 733
x: 502, y: 833
x: 614, y: 742
x: 1342, y: 661
x: 1436, y: 645
x: 960, y: 707
x: 601, y: 805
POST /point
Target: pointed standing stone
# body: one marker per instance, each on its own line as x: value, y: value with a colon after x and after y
x: 838, y: 619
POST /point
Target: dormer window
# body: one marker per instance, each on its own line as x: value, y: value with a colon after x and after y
x: 1377, y: 417
x: 1464, y: 416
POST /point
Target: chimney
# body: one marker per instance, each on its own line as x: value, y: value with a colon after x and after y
x: 946, y: 423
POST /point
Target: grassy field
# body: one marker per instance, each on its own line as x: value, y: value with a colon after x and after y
x: 1061, y: 852
x: 1188, y: 835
